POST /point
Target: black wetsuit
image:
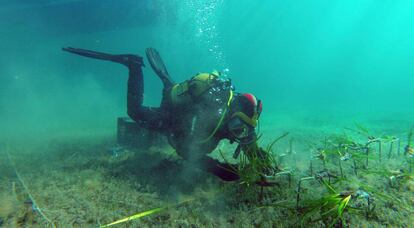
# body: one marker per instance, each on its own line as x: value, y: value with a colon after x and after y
x: 186, y: 126
x: 190, y: 127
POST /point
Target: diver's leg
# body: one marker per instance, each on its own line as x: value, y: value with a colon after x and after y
x: 159, y: 68
x: 189, y: 152
x: 224, y: 171
x: 126, y: 59
x: 148, y: 117
x: 151, y: 118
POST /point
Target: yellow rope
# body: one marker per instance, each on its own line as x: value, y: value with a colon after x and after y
x: 136, y: 216
x: 143, y: 214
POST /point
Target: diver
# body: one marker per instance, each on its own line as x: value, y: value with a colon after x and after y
x: 195, y: 114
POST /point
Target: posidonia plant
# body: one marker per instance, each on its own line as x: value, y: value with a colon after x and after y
x: 256, y: 163
x: 329, y: 209
x: 409, y: 150
x: 395, y: 178
x: 408, y: 147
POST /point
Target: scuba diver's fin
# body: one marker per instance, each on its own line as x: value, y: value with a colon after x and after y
x: 127, y: 59
x: 158, y: 66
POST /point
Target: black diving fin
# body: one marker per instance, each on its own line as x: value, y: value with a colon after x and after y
x: 126, y: 59
x: 158, y: 66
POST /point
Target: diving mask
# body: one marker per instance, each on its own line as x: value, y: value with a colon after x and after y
x: 240, y: 130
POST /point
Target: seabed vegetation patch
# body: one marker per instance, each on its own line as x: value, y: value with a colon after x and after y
x: 350, y: 179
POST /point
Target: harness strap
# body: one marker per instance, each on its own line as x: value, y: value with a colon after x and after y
x: 221, y: 119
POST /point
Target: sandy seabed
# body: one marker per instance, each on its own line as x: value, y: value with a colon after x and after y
x: 90, y: 181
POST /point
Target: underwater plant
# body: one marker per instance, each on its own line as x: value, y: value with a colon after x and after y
x: 385, y: 197
x: 290, y: 151
x: 361, y: 130
x: 256, y: 163
x: 299, y: 188
x: 259, y: 167
x: 8, y: 205
x: 363, y: 150
x: 409, y: 150
x: 329, y: 209
x: 319, y: 176
x: 391, y: 140
x: 395, y: 178
x: 401, y: 177
x: 321, y: 156
x: 339, y: 149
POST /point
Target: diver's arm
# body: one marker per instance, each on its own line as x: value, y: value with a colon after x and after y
x: 254, y: 152
x: 251, y: 149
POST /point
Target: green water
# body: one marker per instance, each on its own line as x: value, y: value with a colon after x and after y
x: 325, y: 59
x: 350, y: 56
x: 320, y: 67
x: 332, y: 60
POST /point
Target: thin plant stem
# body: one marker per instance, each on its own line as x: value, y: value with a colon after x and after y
x: 398, y: 147
x: 390, y: 149
x: 311, y: 167
x: 14, y: 190
x: 290, y: 180
x: 355, y: 168
x: 288, y: 173
x: 367, y: 154
x: 299, y: 188
x: 380, y: 150
x: 261, y: 194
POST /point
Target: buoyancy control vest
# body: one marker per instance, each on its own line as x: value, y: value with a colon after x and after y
x: 190, y: 90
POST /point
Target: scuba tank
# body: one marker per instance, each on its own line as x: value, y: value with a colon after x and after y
x: 188, y: 91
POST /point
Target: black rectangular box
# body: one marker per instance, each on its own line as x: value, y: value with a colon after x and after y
x: 130, y: 134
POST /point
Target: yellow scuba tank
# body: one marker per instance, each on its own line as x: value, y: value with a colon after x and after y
x: 189, y: 90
